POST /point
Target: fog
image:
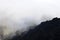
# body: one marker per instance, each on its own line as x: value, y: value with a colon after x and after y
x: 20, y: 14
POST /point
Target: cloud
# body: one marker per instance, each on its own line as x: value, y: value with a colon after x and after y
x: 18, y: 14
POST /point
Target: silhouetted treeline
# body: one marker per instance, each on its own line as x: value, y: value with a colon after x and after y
x: 48, y: 30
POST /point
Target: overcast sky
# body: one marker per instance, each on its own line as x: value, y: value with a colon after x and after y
x: 16, y: 14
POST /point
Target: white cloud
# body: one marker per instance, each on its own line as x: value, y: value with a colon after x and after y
x: 14, y: 13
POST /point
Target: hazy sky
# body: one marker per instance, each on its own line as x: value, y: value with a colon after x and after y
x: 17, y: 14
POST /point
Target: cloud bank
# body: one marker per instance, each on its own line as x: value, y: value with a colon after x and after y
x: 20, y: 14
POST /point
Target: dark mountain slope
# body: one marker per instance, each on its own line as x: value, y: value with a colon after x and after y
x: 48, y: 30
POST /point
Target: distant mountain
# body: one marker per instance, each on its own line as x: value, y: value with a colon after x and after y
x: 48, y: 30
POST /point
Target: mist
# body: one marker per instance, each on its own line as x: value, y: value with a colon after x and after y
x: 21, y: 14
